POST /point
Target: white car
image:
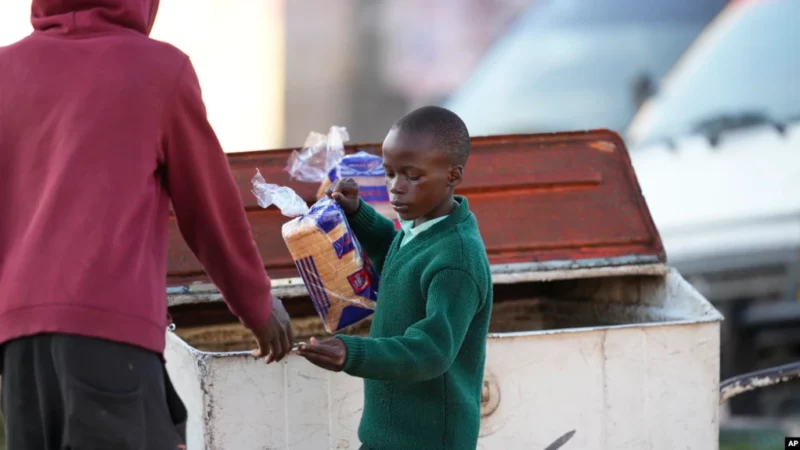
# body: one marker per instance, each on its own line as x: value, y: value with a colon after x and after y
x: 727, y: 207
x: 717, y: 149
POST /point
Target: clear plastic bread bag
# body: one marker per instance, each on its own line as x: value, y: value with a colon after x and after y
x: 320, y: 154
x: 322, y: 160
x: 340, y: 279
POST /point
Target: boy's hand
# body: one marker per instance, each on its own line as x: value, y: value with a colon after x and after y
x: 345, y: 192
x: 275, y: 338
x: 329, y: 354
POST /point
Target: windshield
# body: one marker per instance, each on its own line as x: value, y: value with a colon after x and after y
x: 744, y: 70
x: 571, y: 64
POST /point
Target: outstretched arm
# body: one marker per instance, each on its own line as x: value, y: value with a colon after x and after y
x: 209, y: 207
x: 425, y: 351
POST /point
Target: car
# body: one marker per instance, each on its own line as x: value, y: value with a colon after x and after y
x: 717, y: 148
x: 716, y: 151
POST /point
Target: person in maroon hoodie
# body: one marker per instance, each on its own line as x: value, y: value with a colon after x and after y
x: 100, y: 128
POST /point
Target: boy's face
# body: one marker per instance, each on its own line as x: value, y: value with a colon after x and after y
x: 419, y: 177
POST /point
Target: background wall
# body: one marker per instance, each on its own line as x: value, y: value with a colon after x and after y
x: 238, y: 49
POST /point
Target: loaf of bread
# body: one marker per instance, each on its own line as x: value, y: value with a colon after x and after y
x: 339, y: 278
x: 367, y: 171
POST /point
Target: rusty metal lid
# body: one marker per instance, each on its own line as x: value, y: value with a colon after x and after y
x: 546, y: 201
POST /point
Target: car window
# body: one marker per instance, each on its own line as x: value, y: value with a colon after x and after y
x: 748, y: 65
x: 551, y: 72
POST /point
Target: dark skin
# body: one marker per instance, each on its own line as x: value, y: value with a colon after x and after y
x: 421, y: 181
x: 275, y: 338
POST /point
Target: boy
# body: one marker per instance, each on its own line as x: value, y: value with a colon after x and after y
x: 101, y: 128
x: 423, y: 362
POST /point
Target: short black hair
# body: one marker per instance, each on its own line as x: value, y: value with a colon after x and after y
x: 449, y: 131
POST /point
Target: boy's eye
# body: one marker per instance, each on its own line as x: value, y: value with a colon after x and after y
x: 410, y: 178
x: 389, y: 175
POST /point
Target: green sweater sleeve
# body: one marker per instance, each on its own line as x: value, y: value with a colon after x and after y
x: 374, y: 232
x: 428, y: 348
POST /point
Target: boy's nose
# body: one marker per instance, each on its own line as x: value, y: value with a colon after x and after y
x: 396, y: 186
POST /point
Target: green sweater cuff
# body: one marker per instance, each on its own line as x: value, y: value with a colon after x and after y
x: 355, y: 353
x: 364, y: 218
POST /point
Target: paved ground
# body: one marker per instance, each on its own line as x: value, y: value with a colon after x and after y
x: 767, y: 438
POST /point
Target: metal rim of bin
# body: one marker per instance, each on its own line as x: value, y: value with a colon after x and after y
x: 285, y: 288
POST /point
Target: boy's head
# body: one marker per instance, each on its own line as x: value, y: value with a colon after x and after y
x: 424, y: 156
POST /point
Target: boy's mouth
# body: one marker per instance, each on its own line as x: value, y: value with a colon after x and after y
x: 399, y: 207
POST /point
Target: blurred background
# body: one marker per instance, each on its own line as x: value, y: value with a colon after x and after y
x: 704, y: 92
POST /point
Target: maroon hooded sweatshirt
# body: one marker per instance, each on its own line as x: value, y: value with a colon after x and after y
x: 100, y: 127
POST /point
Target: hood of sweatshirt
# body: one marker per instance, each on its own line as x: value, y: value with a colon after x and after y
x: 92, y: 16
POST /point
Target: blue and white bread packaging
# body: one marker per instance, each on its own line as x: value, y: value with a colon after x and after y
x: 367, y: 170
x: 339, y: 277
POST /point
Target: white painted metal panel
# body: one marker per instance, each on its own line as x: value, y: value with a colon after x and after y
x: 633, y: 388
x: 238, y: 402
x: 648, y: 384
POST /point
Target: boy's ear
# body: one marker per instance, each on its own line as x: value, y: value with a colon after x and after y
x: 455, y: 176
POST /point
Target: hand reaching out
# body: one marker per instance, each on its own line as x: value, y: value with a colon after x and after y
x: 275, y: 337
x: 329, y: 354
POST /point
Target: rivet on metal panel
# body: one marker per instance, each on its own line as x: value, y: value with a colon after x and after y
x: 490, y: 395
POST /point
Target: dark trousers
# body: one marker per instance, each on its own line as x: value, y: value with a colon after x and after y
x: 63, y: 392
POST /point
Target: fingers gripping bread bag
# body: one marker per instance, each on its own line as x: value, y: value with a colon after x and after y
x: 339, y: 277
x: 367, y: 170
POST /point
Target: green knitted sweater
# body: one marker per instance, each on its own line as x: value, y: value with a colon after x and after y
x: 423, y: 362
